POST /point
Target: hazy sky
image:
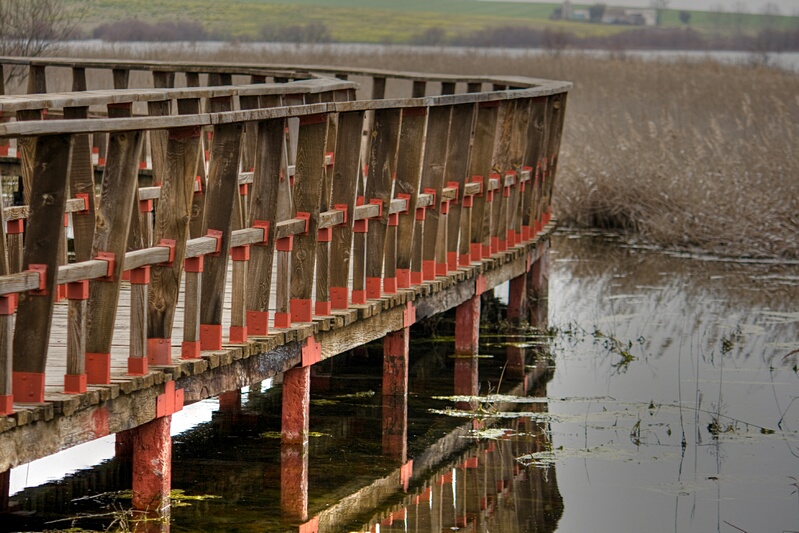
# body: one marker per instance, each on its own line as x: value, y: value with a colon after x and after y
x: 787, y: 7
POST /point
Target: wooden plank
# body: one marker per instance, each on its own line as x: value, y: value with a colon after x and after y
x: 382, y: 163
x: 409, y: 175
x: 435, y: 156
x: 81, y: 182
x: 221, y: 193
x: 114, y: 214
x: 346, y: 172
x: 268, y: 161
x: 171, y: 222
x: 533, y: 149
x: 521, y: 115
x: 499, y: 222
x: 480, y: 168
x: 307, y: 199
x: 45, y: 226
x: 458, y: 160
x: 6, y: 323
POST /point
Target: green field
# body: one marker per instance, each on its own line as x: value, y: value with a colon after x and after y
x: 381, y: 20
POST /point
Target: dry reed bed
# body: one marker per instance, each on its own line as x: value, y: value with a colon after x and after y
x: 689, y: 155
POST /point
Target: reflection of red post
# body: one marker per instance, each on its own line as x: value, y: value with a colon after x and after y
x: 467, y: 326
x: 465, y: 379
x: 515, y: 359
x: 395, y: 394
x: 517, y: 297
x: 294, y: 481
x: 230, y: 402
x: 538, y: 291
x: 296, y: 405
x: 152, y: 465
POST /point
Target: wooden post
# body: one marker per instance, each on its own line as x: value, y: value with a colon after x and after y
x: 296, y: 405
x: 45, y: 224
x: 308, y: 178
x: 346, y: 168
x: 458, y: 155
x: 323, y: 305
x: 395, y: 393
x: 75, y: 378
x: 114, y: 213
x: 221, y: 193
x: 152, y: 465
x: 435, y: 156
x: 8, y: 304
x: 382, y: 162
x: 500, y: 163
x: 467, y: 326
x: 534, y: 145
x: 171, y: 228
x: 266, y: 184
x: 480, y: 170
x: 137, y: 355
x: 409, y: 175
x: 517, y: 163
x: 517, y: 297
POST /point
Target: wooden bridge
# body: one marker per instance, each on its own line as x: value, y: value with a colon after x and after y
x: 177, y: 243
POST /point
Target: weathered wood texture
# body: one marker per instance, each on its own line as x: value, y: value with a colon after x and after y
x: 397, y: 216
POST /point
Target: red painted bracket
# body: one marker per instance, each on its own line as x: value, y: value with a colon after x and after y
x: 305, y: 216
x: 332, y: 156
x: 342, y: 207
x: 285, y: 244
x: 409, y: 315
x: 445, y: 207
x: 42, y: 271
x: 311, y: 351
x: 244, y: 189
x: 78, y: 290
x: 421, y: 213
x: 324, y: 235
x: 264, y: 225
x: 170, y: 402
x: 199, y: 181
x: 145, y: 206
x: 194, y: 264
x: 393, y: 219
x: 480, y: 284
x: 240, y: 253
x: 110, y: 260
x: 361, y: 226
x: 170, y: 245
x: 8, y: 304
x: 85, y: 197
x: 15, y: 227
x: 140, y: 276
x: 471, y: 462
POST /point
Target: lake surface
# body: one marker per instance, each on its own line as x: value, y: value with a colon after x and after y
x: 658, y: 393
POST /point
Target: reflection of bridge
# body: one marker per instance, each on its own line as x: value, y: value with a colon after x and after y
x: 453, y: 480
x: 346, y: 220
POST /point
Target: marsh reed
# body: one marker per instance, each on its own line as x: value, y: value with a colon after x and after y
x: 692, y: 155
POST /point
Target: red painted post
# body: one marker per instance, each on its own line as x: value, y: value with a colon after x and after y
x: 395, y: 394
x: 230, y: 401
x: 296, y: 405
x: 152, y: 465
x: 515, y: 362
x: 537, y: 292
x: 517, y: 297
x: 467, y: 326
x: 395, y: 363
x: 294, y: 481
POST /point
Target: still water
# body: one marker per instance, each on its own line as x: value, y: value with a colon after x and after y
x: 658, y: 393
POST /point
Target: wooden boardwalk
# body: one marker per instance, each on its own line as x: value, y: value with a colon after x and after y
x: 263, y: 228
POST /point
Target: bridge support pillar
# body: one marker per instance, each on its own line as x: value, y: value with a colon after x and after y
x: 467, y: 326
x: 296, y: 405
x: 395, y: 394
x: 152, y: 465
x: 517, y: 298
x: 230, y: 401
x: 538, y: 292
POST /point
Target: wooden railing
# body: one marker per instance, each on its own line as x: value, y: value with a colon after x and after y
x: 355, y: 199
